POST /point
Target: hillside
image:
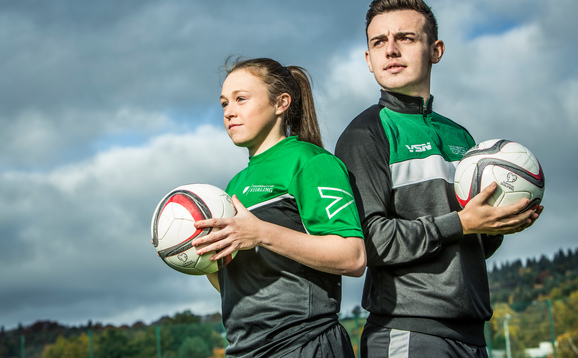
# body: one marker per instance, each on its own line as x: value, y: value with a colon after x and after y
x: 529, y: 294
x: 537, y: 300
x: 519, y: 284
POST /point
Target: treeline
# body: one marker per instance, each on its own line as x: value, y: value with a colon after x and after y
x: 519, y: 284
x: 182, y: 335
x: 538, y: 301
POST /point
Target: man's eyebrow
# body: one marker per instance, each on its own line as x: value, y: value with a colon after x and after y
x: 405, y: 33
x: 397, y: 35
x: 378, y: 37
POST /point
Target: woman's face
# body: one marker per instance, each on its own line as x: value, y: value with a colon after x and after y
x: 251, y: 120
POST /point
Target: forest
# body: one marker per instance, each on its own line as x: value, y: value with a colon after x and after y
x: 539, y: 298
x: 536, y: 298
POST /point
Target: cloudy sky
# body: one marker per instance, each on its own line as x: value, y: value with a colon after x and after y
x: 105, y: 106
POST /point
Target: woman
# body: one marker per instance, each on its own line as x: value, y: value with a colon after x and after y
x: 301, y: 231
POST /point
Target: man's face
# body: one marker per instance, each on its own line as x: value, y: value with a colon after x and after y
x: 399, y: 54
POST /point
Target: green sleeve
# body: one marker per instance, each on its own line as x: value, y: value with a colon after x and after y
x: 324, y: 197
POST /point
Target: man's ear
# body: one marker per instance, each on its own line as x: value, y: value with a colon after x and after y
x: 283, y: 103
x: 368, y: 60
x: 437, y: 51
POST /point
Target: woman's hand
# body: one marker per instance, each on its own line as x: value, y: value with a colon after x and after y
x: 240, y: 232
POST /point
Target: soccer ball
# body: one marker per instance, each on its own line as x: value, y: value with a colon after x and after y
x: 510, y: 164
x: 172, y: 226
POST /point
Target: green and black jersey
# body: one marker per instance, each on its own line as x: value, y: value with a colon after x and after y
x: 423, y: 275
x: 272, y: 305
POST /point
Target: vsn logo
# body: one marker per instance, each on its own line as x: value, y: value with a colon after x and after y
x: 418, y: 148
x: 341, y: 200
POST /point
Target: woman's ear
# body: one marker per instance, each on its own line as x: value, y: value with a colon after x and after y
x: 283, y: 103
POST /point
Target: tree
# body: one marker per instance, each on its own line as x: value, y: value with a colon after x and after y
x: 113, y: 343
x: 567, y: 345
x: 75, y: 347
x: 194, y: 347
x: 503, y: 312
x: 566, y: 314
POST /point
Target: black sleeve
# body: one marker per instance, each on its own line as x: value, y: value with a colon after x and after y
x: 491, y: 244
x: 364, y: 149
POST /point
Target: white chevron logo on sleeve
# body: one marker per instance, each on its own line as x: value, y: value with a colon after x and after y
x: 341, y: 200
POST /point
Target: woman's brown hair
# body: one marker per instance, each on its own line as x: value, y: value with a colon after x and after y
x: 300, y: 119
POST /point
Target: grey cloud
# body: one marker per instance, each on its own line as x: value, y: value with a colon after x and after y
x: 106, y: 106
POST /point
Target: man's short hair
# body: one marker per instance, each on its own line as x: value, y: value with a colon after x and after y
x: 378, y: 7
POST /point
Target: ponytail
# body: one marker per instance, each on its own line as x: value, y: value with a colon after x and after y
x: 302, y: 122
x: 300, y: 118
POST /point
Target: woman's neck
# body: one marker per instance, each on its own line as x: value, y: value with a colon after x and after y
x: 269, y: 142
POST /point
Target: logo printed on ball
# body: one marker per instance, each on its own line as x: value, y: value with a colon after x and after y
x: 511, y: 177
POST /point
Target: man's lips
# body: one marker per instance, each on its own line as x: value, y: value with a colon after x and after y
x: 394, y: 67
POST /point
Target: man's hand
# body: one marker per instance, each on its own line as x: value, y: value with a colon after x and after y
x: 478, y: 217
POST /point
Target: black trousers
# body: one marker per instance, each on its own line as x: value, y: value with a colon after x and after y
x: 382, y: 342
x: 333, y: 343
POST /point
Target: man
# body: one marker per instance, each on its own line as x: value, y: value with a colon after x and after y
x: 426, y: 285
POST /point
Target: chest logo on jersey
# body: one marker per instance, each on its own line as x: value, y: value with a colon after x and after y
x: 256, y: 188
x: 341, y: 200
x: 457, y: 150
x: 418, y: 148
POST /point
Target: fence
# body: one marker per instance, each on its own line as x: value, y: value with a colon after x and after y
x: 534, y: 332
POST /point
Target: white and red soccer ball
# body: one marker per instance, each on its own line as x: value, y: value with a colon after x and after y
x: 510, y: 164
x: 172, y: 226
